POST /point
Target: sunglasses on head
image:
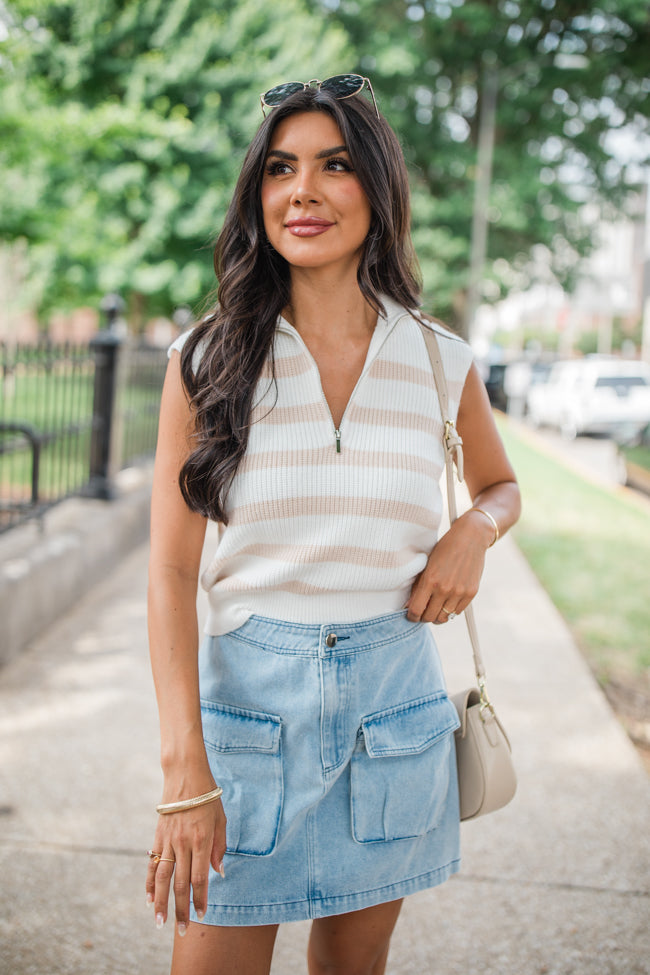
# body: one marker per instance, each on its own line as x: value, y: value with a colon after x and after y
x: 340, y: 86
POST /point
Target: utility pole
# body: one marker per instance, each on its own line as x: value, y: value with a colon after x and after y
x: 645, y: 281
x: 488, y: 96
x: 478, y: 247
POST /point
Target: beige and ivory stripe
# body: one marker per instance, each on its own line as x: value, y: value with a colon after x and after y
x: 317, y: 534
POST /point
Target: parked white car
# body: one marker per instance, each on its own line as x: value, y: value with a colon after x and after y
x: 597, y: 394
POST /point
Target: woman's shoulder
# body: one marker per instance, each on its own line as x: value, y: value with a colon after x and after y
x: 439, y: 327
x: 201, y: 345
x: 450, y: 349
x: 394, y: 310
x: 179, y: 343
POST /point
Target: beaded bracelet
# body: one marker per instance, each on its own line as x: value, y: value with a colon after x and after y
x: 165, y: 808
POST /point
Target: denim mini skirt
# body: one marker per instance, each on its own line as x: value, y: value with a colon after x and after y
x: 334, y: 747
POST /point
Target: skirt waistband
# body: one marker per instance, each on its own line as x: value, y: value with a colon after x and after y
x: 324, y: 639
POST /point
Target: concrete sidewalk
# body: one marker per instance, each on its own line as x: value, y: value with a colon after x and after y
x: 557, y: 883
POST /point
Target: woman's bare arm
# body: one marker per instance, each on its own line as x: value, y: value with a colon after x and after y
x: 192, y: 838
x: 453, y: 572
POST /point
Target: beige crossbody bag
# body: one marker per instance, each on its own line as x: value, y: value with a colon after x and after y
x: 486, y: 775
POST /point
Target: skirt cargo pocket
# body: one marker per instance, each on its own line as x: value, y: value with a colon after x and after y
x: 401, y: 769
x: 244, y: 751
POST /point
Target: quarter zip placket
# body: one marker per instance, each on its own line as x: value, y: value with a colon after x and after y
x: 370, y: 358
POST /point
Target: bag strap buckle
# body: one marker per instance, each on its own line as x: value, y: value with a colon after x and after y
x: 454, y: 447
x: 485, y: 704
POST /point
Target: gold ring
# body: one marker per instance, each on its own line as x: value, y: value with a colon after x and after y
x: 158, y: 857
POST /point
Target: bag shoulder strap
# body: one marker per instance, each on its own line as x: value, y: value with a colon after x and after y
x: 453, y: 446
x: 452, y: 442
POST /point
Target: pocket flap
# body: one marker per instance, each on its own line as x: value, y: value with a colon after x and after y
x: 231, y: 729
x: 409, y: 728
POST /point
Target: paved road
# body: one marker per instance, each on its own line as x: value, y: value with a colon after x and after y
x: 597, y: 457
x: 558, y: 883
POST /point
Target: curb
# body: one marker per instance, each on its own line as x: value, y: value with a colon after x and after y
x: 627, y: 491
x: 47, y: 566
x: 637, y: 477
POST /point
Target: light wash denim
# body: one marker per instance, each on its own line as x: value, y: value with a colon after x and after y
x: 334, y: 748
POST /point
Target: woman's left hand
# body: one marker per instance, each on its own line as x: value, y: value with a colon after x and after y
x: 451, y: 577
x: 452, y: 574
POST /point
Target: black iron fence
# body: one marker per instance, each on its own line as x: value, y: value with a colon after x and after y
x: 71, y: 417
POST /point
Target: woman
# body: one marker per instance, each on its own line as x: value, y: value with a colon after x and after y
x: 302, y: 416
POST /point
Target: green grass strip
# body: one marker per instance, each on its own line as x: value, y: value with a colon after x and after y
x: 638, y: 455
x: 590, y: 548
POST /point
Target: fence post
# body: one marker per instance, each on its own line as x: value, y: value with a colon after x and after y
x: 104, y: 449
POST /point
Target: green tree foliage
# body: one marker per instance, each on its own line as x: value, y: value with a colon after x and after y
x: 567, y: 73
x: 122, y: 127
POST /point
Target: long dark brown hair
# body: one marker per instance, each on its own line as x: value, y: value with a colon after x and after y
x: 235, y: 339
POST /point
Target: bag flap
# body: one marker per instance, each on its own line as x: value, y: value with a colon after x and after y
x: 462, y: 701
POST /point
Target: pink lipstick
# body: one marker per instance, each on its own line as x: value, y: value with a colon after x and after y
x: 308, y: 226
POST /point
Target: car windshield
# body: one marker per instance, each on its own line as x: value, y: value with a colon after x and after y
x: 621, y: 382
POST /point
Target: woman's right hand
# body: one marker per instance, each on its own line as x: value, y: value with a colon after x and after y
x: 193, y: 840
x: 187, y: 841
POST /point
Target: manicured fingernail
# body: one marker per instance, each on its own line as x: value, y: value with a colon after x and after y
x: 149, y: 899
x: 181, y: 927
x: 200, y: 915
x: 160, y: 921
x: 222, y: 872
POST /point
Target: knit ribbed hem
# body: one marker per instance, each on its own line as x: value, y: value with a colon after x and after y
x: 228, y: 614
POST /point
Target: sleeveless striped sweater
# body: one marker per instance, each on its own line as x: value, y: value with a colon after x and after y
x: 333, y: 526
